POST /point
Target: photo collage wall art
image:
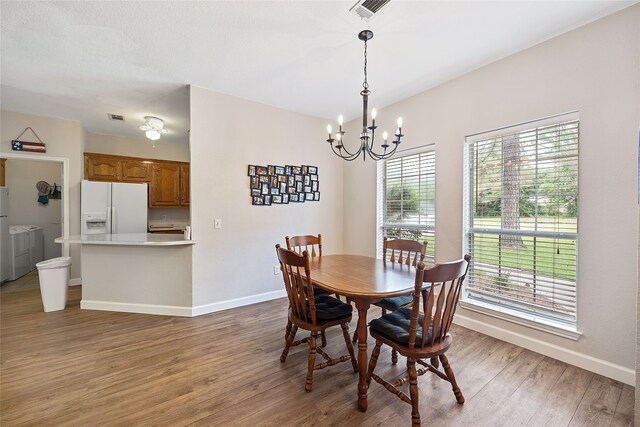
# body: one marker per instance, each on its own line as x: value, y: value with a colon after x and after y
x: 283, y: 184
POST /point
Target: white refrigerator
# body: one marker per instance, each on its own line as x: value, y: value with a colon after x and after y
x: 5, y: 245
x: 113, y: 207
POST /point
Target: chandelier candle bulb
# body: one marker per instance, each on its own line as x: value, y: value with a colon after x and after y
x: 329, y: 129
x: 399, y: 122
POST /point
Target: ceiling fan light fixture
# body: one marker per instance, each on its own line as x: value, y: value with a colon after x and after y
x: 153, y: 128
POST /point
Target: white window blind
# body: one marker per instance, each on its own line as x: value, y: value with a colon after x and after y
x: 408, y: 200
x: 521, y: 221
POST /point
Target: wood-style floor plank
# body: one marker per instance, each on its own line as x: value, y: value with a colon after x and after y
x: 83, y: 367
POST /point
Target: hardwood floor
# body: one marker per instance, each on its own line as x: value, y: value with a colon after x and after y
x: 81, y: 368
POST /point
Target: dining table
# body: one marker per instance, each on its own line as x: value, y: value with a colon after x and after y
x: 363, y: 280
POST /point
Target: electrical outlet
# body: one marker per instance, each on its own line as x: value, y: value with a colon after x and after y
x: 164, y: 217
x: 217, y: 223
x: 276, y: 270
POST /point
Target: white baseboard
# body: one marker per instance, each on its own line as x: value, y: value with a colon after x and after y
x: 75, y: 282
x: 166, y: 310
x: 237, y: 302
x: 590, y: 363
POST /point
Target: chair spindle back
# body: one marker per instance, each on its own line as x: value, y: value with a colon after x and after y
x: 404, y: 251
x: 447, y: 279
x: 297, y: 282
x: 305, y: 243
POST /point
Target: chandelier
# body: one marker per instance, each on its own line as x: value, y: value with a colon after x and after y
x: 153, y: 127
x: 368, y: 134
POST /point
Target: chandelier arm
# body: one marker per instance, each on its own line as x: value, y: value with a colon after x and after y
x: 348, y: 157
x: 347, y: 151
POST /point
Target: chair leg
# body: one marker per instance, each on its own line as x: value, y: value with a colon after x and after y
x: 355, y: 335
x: 288, y: 330
x: 288, y: 342
x: 312, y: 361
x: 323, y: 337
x: 452, y: 379
x: 347, y: 340
x: 394, y: 356
x: 435, y: 362
x: 413, y: 391
x: 373, y: 361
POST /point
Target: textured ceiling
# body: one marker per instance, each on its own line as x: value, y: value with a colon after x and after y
x: 82, y: 60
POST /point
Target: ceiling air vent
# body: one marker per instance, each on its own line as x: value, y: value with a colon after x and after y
x: 115, y: 117
x: 367, y: 9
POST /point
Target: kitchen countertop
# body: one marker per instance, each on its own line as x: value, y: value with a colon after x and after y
x: 128, y: 239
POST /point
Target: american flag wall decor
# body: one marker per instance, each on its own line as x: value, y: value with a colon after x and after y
x: 34, y: 147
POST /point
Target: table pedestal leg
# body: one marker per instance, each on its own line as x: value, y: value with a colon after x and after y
x: 363, y: 360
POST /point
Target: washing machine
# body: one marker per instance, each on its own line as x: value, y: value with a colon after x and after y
x: 36, y: 244
x: 20, y: 252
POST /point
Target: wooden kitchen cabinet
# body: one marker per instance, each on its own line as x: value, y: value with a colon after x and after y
x: 168, y: 181
x: 136, y: 170
x: 102, y: 168
x: 184, y: 185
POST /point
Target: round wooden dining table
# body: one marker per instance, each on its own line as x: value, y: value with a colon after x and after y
x: 364, y: 280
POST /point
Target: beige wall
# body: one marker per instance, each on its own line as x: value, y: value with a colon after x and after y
x: 65, y: 139
x: 22, y: 176
x: 595, y: 70
x: 227, y: 134
x: 134, y: 147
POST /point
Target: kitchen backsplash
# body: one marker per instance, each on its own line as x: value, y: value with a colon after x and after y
x: 169, y: 215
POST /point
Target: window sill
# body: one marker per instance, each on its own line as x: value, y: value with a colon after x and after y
x: 520, y: 319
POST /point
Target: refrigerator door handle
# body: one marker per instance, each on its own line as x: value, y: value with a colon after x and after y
x: 114, y: 222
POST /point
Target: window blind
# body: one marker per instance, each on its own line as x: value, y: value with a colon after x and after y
x: 521, y: 220
x: 409, y: 186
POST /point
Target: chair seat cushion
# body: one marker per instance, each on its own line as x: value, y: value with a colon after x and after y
x: 330, y: 308
x: 395, y: 326
x: 319, y: 291
x: 395, y: 303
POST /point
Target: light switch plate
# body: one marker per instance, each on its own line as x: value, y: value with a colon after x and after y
x: 217, y: 223
x: 276, y: 270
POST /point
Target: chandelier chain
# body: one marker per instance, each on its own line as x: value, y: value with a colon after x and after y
x: 365, y: 85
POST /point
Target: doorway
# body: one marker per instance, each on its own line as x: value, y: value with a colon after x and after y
x: 38, y: 204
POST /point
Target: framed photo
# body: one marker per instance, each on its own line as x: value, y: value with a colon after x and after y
x: 255, y: 182
x: 261, y: 170
x: 292, y: 189
x: 282, y: 178
x: 265, y: 188
x: 255, y: 192
x: 285, y: 199
x: 298, y: 178
x: 316, y: 196
x: 308, y: 197
x: 287, y: 170
x: 291, y: 181
x: 307, y: 189
x: 267, y: 200
x: 293, y: 197
x: 314, y: 177
x: 313, y: 170
x: 257, y: 200
x: 263, y: 179
x: 283, y: 187
x: 279, y: 170
x: 299, y: 187
x: 274, y: 181
x: 314, y: 185
x: 275, y: 190
x: 252, y: 170
x: 276, y: 199
x: 307, y: 180
x: 271, y: 170
x: 296, y: 170
x: 305, y: 170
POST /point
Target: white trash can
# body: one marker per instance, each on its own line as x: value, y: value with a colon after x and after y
x: 54, y: 280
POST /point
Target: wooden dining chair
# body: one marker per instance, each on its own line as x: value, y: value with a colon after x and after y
x: 402, y: 252
x: 422, y: 336
x: 312, y: 313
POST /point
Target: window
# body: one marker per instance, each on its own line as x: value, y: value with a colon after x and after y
x: 521, y: 214
x: 406, y: 200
